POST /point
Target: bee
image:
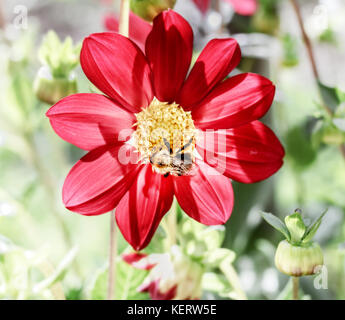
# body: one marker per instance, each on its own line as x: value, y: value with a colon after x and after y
x: 178, y: 163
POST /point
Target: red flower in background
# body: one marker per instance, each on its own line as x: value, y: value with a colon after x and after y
x: 135, y: 86
x: 242, y: 7
x: 172, y: 276
x: 139, y: 29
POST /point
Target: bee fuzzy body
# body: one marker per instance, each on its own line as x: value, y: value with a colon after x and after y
x: 166, y: 162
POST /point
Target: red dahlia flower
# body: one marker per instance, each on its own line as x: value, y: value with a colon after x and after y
x: 141, y: 135
x: 139, y: 29
x: 242, y: 7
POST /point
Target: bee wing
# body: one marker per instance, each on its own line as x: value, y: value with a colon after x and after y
x: 181, y: 167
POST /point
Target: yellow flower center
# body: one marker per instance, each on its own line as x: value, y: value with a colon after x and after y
x: 165, y: 137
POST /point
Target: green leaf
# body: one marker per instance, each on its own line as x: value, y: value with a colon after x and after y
x: 276, y: 223
x: 217, y: 283
x: 328, y: 36
x: 296, y: 227
x: 329, y: 95
x: 317, y: 134
x: 128, y: 279
x: 213, y: 236
x: 339, y: 123
x: 215, y: 257
x: 290, y: 52
x: 15, y: 272
x: 199, y: 239
x: 329, y: 133
x: 339, y: 115
x: 214, y: 282
x: 99, y: 287
x: 296, y: 140
x: 340, y: 94
x: 59, y: 273
x: 311, y: 230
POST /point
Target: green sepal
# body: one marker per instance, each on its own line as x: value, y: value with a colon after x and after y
x: 60, y: 57
x: 276, y: 223
x: 329, y: 96
x: 311, y: 230
x: 50, y: 90
x: 149, y: 9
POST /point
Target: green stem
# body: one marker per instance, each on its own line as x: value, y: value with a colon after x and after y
x: 172, y: 223
x: 312, y: 60
x: 2, y: 16
x: 169, y: 224
x: 230, y: 273
x: 295, y: 288
x: 50, y: 188
x: 112, y: 257
x: 124, y: 18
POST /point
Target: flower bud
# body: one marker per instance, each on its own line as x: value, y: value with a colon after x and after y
x: 266, y: 20
x: 148, y: 9
x: 296, y: 226
x: 56, y: 79
x: 332, y: 135
x: 290, y: 51
x: 298, y: 260
x: 50, y: 90
x: 298, y: 255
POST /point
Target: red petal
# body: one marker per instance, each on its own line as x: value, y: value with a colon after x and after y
x: 234, y: 102
x: 244, y: 7
x: 203, y: 5
x: 133, y: 257
x: 206, y: 196
x: 216, y: 61
x: 139, y: 29
x: 248, y: 153
x: 117, y: 67
x: 250, y: 172
x: 111, y: 23
x: 138, y: 260
x: 169, y: 48
x: 144, y: 205
x: 98, y: 181
x: 90, y: 120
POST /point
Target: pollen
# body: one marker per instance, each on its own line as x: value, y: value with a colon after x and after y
x: 160, y: 123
